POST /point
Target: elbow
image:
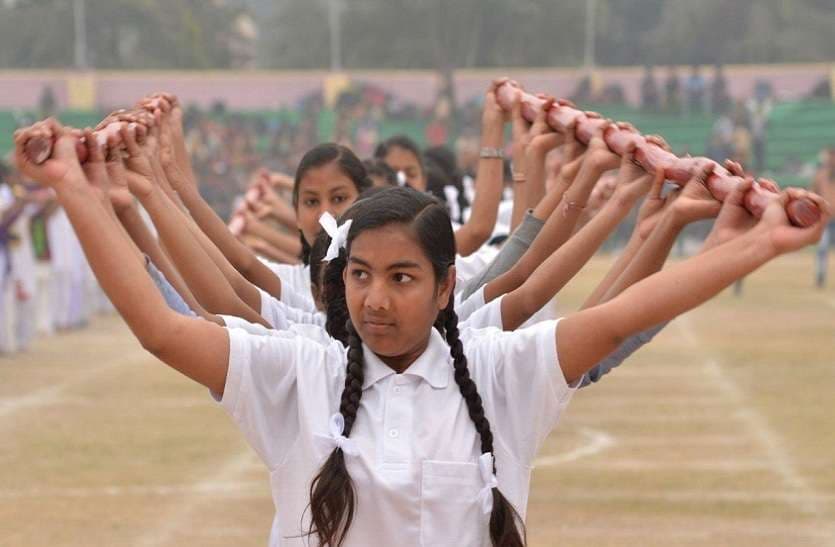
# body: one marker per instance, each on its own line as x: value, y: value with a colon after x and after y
x: 529, y: 304
x: 161, y: 339
x: 156, y: 343
x: 476, y: 236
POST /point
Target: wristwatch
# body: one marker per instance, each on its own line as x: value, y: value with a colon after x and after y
x: 491, y: 153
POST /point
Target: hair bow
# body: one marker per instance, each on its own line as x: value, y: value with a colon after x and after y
x: 339, y: 234
x: 335, y: 439
x: 485, y: 496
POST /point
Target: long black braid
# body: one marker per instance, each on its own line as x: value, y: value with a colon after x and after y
x: 505, y: 521
x: 332, y: 496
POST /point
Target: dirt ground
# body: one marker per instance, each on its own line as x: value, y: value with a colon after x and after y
x: 719, y: 433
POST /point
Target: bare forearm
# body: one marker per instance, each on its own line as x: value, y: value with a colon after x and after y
x: 148, y: 244
x: 245, y: 290
x: 204, y: 278
x: 116, y: 265
x: 628, y: 254
x: 284, y: 242
x: 488, y: 183
x: 214, y: 227
x: 519, y: 205
x: 268, y: 251
x: 557, y: 230
x: 651, y: 256
x: 236, y: 253
x: 586, y: 337
x: 559, y: 268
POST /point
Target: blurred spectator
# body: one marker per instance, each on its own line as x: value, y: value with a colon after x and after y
x: 759, y: 108
x: 741, y: 136
x: 720, y: 100
x: 824, y: 184
x: 720, y: 145
x: 694, y: 89
x: 649, y: 91
x: 613, y: 93
x: 583, y: 92
x: 46, y: 103
x: 822, y: 90
x: 672, y: 91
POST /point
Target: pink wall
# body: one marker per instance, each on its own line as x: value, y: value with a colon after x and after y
x: 267, y: 90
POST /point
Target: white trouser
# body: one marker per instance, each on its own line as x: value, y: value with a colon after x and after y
x: 8, y: 316
x: 44, y: 318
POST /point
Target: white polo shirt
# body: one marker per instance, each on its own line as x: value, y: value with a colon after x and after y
x: 416, y: 477
x: 281, y: 315
x: 296, y: 278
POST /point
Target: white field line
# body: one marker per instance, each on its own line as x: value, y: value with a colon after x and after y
x: 688, y: 402
x: 707, y: 495
x: 76, y: 401
x: 704, y: 532
x: 757, y: 425
x: 236, y: 489
x: 690, y: 441
x: 596, y: 442
x: 693, y: 417
x: 644, y: 465
x: 182, y: 514
x: 49, y: 395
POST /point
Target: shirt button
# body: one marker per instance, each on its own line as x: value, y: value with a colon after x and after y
x: 397, y: 389
x: 393, y: 433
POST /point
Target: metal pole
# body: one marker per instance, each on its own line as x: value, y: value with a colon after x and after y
x: 591, y: 9
x: 334, y: 24
x: 79, y: 18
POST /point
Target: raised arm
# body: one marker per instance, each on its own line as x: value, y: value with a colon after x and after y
x: 559, y: 268
x: 199, y: 349
x: 201, y: 273
x: 488, y: 183
x: 560, y: 225
x: 178, y: 171
x: 586, y: 337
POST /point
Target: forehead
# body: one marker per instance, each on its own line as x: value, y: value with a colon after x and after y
x: 325, y: 178
x: 387, y: 245
x: 400, y: 156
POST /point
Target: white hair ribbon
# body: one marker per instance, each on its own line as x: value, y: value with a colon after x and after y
x: 485, y: 496
x: 339, y: 234
x: 335, y: 439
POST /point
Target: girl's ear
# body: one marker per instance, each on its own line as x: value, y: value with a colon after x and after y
x: 446, y: 288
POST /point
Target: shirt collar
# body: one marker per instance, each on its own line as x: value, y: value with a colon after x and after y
x: 433, y: 365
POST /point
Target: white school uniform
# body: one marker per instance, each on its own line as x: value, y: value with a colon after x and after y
x: 416, y: 476
x: 281, y: 315
x: 24, y: 274
x: 467, y: 267
x: 296, y: 278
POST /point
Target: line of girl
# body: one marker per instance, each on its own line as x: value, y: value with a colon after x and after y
x: 362, y: 378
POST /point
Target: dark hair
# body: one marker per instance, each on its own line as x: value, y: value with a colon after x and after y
x: 319, y: 156
x: 398, y: 141
x: 378, y: 168
x: 444, y: 158
x: 316, y: 256
x: 332, y: 496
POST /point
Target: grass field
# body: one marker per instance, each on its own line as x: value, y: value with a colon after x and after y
x: 719, y: 433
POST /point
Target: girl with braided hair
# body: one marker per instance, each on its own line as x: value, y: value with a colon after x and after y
x: 407, y: 436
